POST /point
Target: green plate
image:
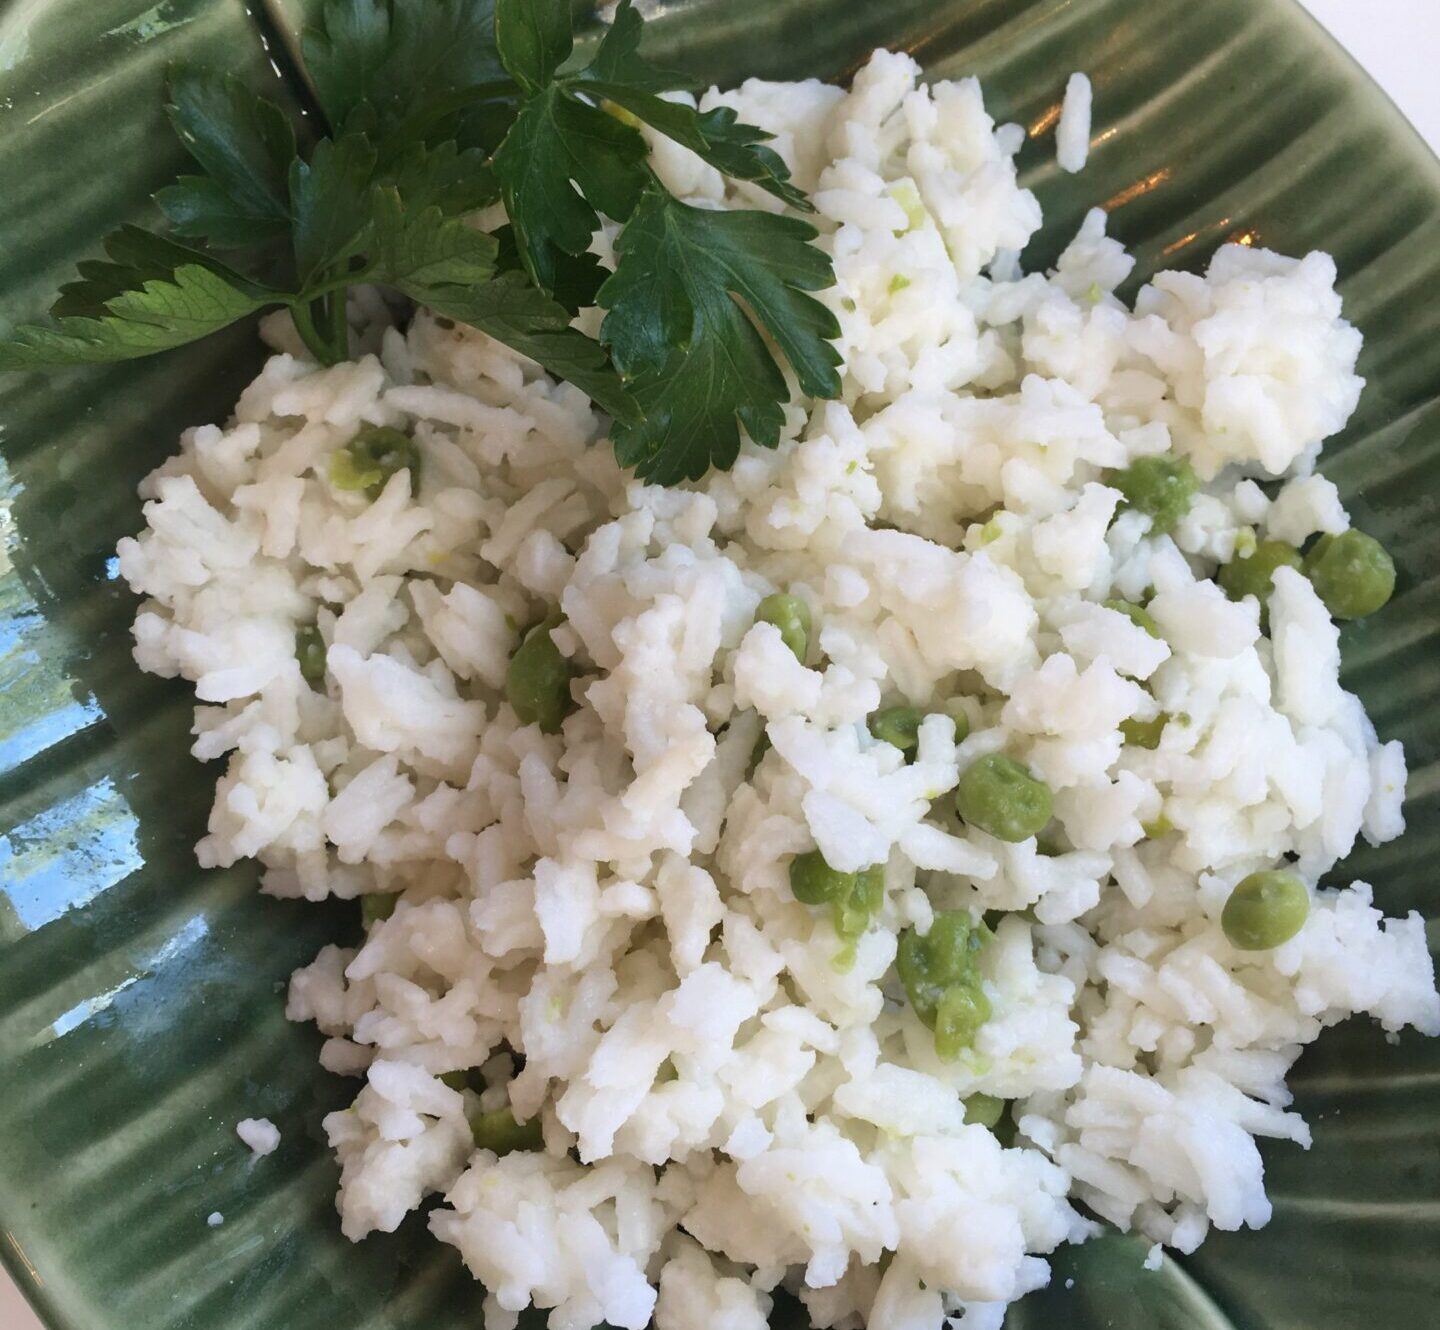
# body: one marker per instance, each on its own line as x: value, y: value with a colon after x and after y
x: 140, y: 999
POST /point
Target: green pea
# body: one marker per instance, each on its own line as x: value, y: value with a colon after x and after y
x: 1351, y: 573
x: 961, y: 717
x: 899, y: 726
x: 375, y: 454
x: 991, y: 531
x: 350, y: 473
x: 1000, y: 796
x: 497, y: 1130
x: 962, y: 1011
x: 310, y: 652
x: 985, y: 1109
x: 791, y: 616
x: 814, y: 882
x: 852, y: 912
x: 941, y: 975
x: 854, y: 898
x: 377, y: 905
x: 1144, y: 733
x: 1265, y: 909
x: 1253, y: 574
x: 537, y: 683
x: 944, y: 956
x: 908, y: 197
x: 1162, y: 488
x: 1159, y: 826
x: 1137, y: 614
x: 843, y: 961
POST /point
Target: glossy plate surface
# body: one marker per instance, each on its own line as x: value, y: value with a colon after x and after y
x: 140, y: 999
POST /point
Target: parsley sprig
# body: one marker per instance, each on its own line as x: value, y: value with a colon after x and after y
x: 433, y: 110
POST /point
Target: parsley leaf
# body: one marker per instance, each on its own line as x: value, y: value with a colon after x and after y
x: 245, y: 146
x: 389, y: 59
x: 578, y: 277
x: 134, y: 257
x: 716, y: 136
x: 561, y: 165
x: 435, y: 110
x: 199, y: 208
x: 160, y: 311
x: 534, y: 38
x: 454, y: 180
x: 417, y: 250
x: 693, y: 357
x: 618, y: 59
x: 620, y: 75
x: 346, y: 52
x: 514, y: 312
x: 567, y: 161
x: 330, y: 198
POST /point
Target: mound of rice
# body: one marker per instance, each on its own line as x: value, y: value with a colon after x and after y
x: 600, y: 921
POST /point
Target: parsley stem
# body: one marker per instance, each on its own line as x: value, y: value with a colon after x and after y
x: 304, y: 316
x: 338, y: 330
x: 319, y: 317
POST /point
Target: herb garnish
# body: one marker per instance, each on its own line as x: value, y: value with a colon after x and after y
x: 435, y: 109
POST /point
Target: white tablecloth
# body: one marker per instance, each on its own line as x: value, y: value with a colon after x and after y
x: 1398, y: 41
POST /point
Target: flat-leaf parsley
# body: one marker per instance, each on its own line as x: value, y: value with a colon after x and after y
x: 432, y: 111
x: 691, y: 354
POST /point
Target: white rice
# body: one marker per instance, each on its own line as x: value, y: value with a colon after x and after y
x: 260, y: 1134
x: 727, y: 1108
x: 1072, y: 133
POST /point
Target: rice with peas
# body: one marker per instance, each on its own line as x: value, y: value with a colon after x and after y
x: 599, y: 923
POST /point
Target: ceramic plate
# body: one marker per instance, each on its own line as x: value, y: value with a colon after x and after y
x: 140, y: 999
